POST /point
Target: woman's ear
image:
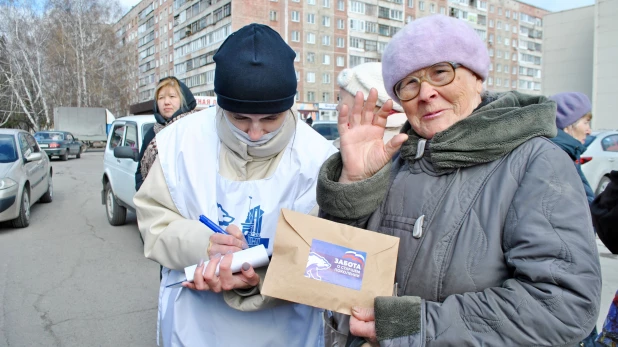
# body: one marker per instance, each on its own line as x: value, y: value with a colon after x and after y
x: 479, y: 85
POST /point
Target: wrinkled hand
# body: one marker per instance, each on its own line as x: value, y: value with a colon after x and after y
x: 362, y: 149
x: 206, y: 279
x: 223, y: 244
x: 362, y: 323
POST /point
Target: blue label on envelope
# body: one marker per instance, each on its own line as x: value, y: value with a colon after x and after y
x: 335, y: 264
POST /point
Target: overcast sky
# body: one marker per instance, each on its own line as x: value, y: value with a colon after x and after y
x: 551, y: 5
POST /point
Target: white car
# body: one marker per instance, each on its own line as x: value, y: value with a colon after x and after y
x: 600, y: 159
x: 124, y: 141
x: 25, y: 176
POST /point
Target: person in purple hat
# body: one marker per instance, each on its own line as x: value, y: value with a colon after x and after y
x: 496, y: 243
x: 573, y: 115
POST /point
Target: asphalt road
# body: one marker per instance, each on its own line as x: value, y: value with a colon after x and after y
x: 71, y: 279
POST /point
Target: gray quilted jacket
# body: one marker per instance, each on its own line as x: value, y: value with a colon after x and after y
x: 495, y: 254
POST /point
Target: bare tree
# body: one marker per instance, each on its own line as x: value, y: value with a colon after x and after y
x: 23, y: 61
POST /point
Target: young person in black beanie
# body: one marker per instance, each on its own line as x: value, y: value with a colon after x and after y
x: 238, y: 164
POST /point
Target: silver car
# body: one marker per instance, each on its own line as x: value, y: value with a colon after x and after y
x: 25, y: 176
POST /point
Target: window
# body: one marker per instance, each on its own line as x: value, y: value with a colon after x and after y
x: 499, y: 67
x: 357, y: 25
x: 500, y: 11
x: 326, y: 97
x: 311, y: 38
x: 326, y: 59
x: 340, y: 61
x: 311, y: 96
x: 610, y: 143
x: 499, y: 54
x: 507, y: 13
x: 506, y: 42
x: 491, y: 8
x: 310, y: 57
x: 326, y: 21
x: 507, y: 27
x: 357, y: 7
x: 490, y: 81
x: 499, y: 24
x: 514, y: 15
x: 295, y: 16
x: 340, y: 24
x: 499, y: 82
x: 491, y: 67
x: 491, y: 38
x: 341, y: 5
x: 491, y: 23
x: 356, y: 42
x: 340, y: 42
x: 506, y: 82
x: 326, y: 78
x: 411, y: 3
x: 491, y: 52
x: 297, y: 75
x: 310, y: 77
x: 442, y: 10
x: 326, y: 40
x: 326, y: 3
x: 483, y: 5
x: 273, y: 15
x: 421, y: 5
x: 311, y: 18
x: 514, y: 84
x: 117, y: 136
x: 310, y: 2
x: 297, y: 58
x: 130, y: 138
x: 432, y: 8
x: 295, y: 36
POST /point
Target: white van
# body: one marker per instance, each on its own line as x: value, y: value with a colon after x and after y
x: 124, y: 141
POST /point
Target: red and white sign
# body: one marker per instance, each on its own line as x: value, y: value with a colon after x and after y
x: 205, y: 102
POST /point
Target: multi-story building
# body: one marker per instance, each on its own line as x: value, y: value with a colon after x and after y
x: 327, y: 36
x: 580, y: 57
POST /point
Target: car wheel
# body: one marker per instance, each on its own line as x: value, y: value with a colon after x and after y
x: 116, y: 214
x: 23, y: 220
x: 602, y: 185
x: 79, y: 154
x: 65, y: 156
x: 49, y: 194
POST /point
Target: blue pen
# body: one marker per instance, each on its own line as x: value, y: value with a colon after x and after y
x: 212, y: 225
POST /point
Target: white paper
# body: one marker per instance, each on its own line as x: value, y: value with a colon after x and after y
x: 255, y: 256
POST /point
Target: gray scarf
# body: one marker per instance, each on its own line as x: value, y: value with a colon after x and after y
x: 498, y: 125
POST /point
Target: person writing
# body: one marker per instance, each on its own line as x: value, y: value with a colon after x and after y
x: 496, y: 243
x: 238, y: 164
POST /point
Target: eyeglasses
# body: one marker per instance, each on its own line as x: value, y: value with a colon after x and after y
x: 438, y: 75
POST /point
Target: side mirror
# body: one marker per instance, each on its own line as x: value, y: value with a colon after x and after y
x: 36, y: 156
x: 125, y: 152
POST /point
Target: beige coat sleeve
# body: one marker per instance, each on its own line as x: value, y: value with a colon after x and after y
x: 169, y: 239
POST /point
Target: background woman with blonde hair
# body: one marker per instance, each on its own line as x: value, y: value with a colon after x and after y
x: 173, y: 100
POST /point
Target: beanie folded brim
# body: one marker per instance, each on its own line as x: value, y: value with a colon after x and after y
x: 255, y: 106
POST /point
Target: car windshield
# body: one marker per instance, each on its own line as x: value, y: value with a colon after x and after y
x: 8, y: 152
x: 46, y: 135
x: 328, y: 130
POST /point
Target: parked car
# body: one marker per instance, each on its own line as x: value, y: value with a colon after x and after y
x: 125, y: 139
x: 328, y: 129
x: 25, y: 176
x: 600, y: 159
x: 60, y: 144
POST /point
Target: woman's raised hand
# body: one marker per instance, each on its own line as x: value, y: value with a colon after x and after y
x: 361, y: 130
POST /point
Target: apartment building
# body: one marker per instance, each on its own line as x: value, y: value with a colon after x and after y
x: 580, y: 56
x: 180, y: 39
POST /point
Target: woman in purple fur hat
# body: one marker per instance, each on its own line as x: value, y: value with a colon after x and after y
x: 496, y: 242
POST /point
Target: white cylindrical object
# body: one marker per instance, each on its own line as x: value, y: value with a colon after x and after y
x: 255, y: 256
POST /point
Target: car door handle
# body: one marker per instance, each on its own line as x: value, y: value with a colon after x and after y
x: 610, y: 159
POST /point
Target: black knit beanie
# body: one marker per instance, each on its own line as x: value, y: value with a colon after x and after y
x: 255, y: 72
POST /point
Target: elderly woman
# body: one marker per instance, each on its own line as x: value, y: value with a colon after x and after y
x: 573, y: 118
x: 496, y: 242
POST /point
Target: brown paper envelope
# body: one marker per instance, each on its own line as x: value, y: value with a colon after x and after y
x: 285, y: 278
